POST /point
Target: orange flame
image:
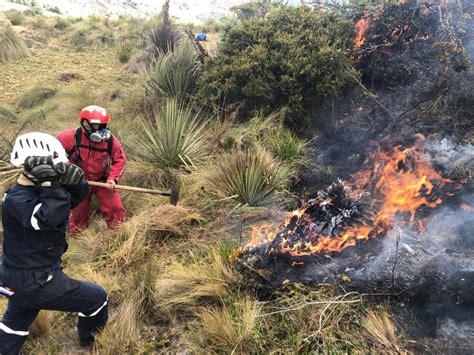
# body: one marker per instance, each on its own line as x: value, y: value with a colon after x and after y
x: 361, y: 28
x: 401, y: 182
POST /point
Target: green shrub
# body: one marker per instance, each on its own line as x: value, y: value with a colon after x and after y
x: 288, y: 148
x: 293, y: 58
x: 12, y: 46
x: 252, y: 177
x: 124, y: 52
x: 173, y: 74
x: 175, y: 137
x: 211, y: 25
x: 61, y: 24
x: 34, y: 97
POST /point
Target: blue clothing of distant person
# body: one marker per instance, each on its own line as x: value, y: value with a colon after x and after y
x: 201, y: 37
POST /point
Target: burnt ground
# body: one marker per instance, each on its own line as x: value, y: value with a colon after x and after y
x: 418, y: 82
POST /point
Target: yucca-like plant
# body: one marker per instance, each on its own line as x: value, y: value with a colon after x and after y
x: 161, y: 39
x: 12, y: 46
x: 175, y: 137
x: 173, y: 74
x: 252, y: 176
x: 35, y: 96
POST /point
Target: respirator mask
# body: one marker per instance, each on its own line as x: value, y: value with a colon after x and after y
x: 97, y: 132
x: 100, y: 136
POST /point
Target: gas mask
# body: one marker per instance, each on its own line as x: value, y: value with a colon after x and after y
x: 97, y: 132
x: 100, y: 136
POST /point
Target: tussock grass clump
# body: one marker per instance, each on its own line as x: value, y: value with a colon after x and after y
x: 61, y: 24
x: 16, y: 18
x: 173, y: 74
x: 103, y: 39
x: 252, y: 177
x: 381, y: 331
x: 7, y: 116
x: 124, y: 52
x: 78, y: 38
x: 201, y: 278
x: 174, y: 137
x: 12, y: 46
x: 229, y: 329
x: 35, y: 97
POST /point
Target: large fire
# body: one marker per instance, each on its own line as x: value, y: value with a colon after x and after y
x: 398, y: 183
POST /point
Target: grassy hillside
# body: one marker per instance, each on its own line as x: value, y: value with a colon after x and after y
x: 171, y: 271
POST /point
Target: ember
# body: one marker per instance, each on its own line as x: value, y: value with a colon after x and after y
x: 398, y: 183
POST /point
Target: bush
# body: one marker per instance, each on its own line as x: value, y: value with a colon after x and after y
x: 252, y: 177
x: 34, y: 97
x: 293, y: 58
x: 61, y: 24
x: 124, y: 52
x: 174, y: 138
x: 12, y: 47
x: 174, y: 74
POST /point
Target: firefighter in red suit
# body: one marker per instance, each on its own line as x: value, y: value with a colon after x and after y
x: 93, y: 148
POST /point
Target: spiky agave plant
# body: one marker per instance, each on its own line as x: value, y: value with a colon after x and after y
x: 174, y: 137
x: 12, y: 47
x: 161, y: 38
x: 173, y: 74
x: 251, y: 176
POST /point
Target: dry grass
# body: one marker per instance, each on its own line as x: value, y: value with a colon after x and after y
x: 99, y: 69
x: 186, y: 286
x: 381, y: 331
x: 228, y: 330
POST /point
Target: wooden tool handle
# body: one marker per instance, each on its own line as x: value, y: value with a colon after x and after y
x: 130, y: 188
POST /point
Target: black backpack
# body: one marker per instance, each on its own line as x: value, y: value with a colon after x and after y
x: 77, y: 145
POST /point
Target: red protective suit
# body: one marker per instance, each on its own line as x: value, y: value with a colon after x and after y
x: 96, y: 165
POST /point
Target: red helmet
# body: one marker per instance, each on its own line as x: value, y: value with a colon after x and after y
x: 94, y: 114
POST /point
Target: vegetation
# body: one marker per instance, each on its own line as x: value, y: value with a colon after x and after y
x: 220, y: 132
x: 262, y: 64
x: 253, y: 177
x: 174, y: 137
x: 173, y: 74
x: 34, y: 97
x: 12, y: 46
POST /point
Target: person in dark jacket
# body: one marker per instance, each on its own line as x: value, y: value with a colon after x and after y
x: 35, y: 217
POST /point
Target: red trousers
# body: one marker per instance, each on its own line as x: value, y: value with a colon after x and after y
x: 110, y: 206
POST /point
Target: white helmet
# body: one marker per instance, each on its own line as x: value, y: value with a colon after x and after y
x: 37, y: 144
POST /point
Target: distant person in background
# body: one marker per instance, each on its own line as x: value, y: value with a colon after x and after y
x: 35, y: 216
x: 93, y: 148
x: 201, y: 37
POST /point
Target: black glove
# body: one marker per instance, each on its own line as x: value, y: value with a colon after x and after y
x: 43, y: 171
x: 69, y: 174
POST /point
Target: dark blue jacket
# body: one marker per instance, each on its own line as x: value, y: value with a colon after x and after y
x: 35, y: 222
